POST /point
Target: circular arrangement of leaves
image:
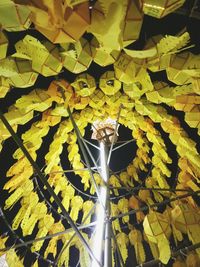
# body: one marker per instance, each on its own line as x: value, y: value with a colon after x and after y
x: 52, y: 93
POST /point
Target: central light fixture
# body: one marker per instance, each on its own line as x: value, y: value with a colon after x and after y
x: 104, y: 132
x: 98, y: 240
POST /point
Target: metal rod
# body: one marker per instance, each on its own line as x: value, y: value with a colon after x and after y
x: 75, y: 170
x: 92, y: 168
x: 81, y: 191
x: 123, y: 141
x: 91, y: 156
x: 165, y: 189
x: 120, y: 181
x: 157, y: 204
x: 117, y: 248
x: 97, y: 159
x: 102, y: 215
x: 95, y: 163
x: 49, y: 204
x: 79, y: 138
x: 185, y: 250
x: 78, y: 263
x: 81, y: 227
x: 195, y: 12
x: 108, y: 247
x: 70, y: 240
x: 90, y: 143
x: 149, y: 263
x: 114, y: 135
x: 124, y: 144
x: 150, y: 189
x: 105, y: 175
x: 130, y: 189
x: 46, y: 183
x: 174, y: 255
x: 16, y: 236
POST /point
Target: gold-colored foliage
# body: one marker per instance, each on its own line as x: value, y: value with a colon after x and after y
x: 126, y: 85
x: 157, y: 229
x: 160, y: 9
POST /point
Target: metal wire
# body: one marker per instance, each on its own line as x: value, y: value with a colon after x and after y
x: 25, y: 243
x: 157, y: 204
x: 124, y: 144
x: 91, y: 156
x: 74, y: 170
x: 17, y: 237
x: 80, y: 191
x: 90, y: 143
x: 49, y: 204
x: 173, y: 255
x: 68, y: 243
x: 46, y: 183
x: 115, y: 132
x: 82, y: 149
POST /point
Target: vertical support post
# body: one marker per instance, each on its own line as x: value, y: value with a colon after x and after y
x: 103, y: 227
x: 105, y: 176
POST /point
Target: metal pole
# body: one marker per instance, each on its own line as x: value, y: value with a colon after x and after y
x: 105, y: 175
x: 103, y: 227
x: 80, y: 142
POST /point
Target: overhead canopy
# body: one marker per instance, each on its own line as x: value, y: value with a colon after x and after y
x: 67, y: 66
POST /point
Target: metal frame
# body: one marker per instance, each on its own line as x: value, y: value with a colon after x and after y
x: 81, y: 227
x: 114, y: 135
x: 109, y: 232
x: 46, y: 183
x: 124, y: 144
x: 174, y: 255
x: 90, y: 143
x: 79, y: 138
x: 157, y: 204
